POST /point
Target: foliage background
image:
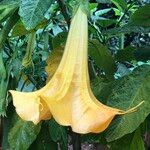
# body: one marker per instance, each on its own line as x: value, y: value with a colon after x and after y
x: 119, y: 66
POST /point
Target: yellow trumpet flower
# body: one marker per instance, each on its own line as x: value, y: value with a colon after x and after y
x: 68, y: 96
x: 73, y: 103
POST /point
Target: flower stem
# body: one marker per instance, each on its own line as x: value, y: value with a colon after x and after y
x: 76, y: 141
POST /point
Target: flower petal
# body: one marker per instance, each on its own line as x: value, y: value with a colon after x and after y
x: 30, y: 106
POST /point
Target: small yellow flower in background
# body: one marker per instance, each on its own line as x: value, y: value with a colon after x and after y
x: 68, y: 96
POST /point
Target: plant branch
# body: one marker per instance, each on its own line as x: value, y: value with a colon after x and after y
x: 76, y: 142
x: 33, y: 82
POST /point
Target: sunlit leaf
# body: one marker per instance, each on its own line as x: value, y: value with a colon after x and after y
x: 32, y: 12
x: 22, y: 135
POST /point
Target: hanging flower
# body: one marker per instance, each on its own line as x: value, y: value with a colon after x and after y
x: 73, y: 103
x: 68, y: 95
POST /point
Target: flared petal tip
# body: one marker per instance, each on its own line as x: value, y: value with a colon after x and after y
x: 91, y: 127
x: 30, y: 106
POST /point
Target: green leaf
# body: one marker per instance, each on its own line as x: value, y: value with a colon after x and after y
x: 133, y: 53
x: 10, y: 2
x: 27, y: 60
x: 59, y: 40
x: 102, y: 11
x: 3, y: 100
x: 137, y: 141
x: 8, y: 123
x: 141, y: 17
x: 127, y: 93
x: 3, y: 86
x: 43, y: 141
x: 132, y: 141
x: 120, y: 4
x: 58, y: 133
x: 6, y: 11
x: 20, y: 30
x: 101, y: 89
x: 53, y: 62
x: 128, y: 28
x: 142, y: 53
x: 22, y: 135
x: 117, y: 12
x: 104, y: 22
x: 102, y: 57
x: 92, y: 6
x: 32, y: 12
x: 126, y: 54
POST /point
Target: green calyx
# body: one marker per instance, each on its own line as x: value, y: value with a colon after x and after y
x: 84, y: 4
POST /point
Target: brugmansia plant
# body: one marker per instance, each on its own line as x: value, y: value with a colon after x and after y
x: 67, y: 97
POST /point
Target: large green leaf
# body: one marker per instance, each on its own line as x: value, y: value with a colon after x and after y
x: 43, y: 141
x: 127, y: 93
x: 101, y: 89
x: 10, y: 120
x: 22, y: 135
x: 32, y: 12
x: 132, y: 141
x: 141, y: 17
x: 58, y: 134
x: 102, y: 57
